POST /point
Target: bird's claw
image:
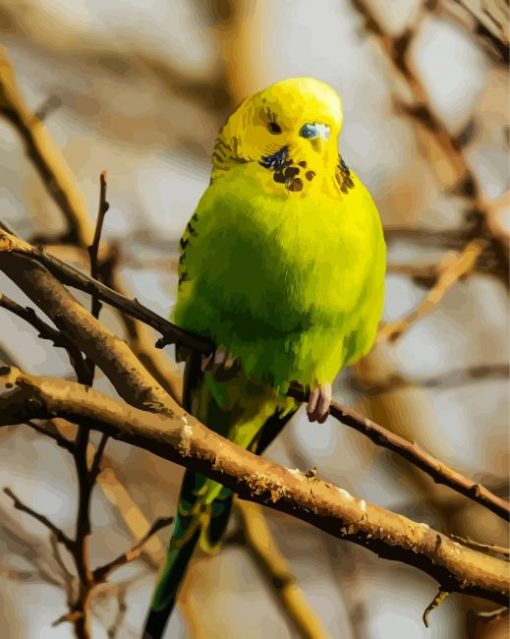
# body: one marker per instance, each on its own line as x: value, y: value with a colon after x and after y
x: 218, y: 361
x: 319, y: 403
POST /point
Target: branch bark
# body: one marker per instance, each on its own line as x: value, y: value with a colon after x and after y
x: 182, y: 439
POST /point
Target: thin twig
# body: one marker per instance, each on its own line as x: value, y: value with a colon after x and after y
x: 94, y: 247
x: 100, y: 574
x: 121, y: 612
x: 95, y: 467
x: 59, y: 533
x: 53, y: 433
x: 67, y: 576
x: 439, y: 472
x: 435, y: 603
x: 46, y: 331
x: 492, y: 548
x: 450, y: 271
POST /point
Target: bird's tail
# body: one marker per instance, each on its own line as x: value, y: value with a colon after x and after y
x: 204, y: 505
x: 199, y: 518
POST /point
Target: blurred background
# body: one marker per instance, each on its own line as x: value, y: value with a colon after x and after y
x: 141, y: 90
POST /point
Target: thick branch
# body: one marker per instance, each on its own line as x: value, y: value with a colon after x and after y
x: 182, y: 439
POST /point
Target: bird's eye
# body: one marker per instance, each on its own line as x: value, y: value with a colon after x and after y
x: 274, y: 127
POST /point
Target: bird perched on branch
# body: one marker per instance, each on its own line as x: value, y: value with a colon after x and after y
x: 282, y: 267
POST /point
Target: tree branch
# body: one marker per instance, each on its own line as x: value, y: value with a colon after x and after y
x: 13, y: 246
x: 182, y: 439
x: 101, y: 573
x: 59, y: 534
x: 454, y: 169
x: 44, y: 154
x: 46, y: 332
x: 450, y: 271
x: 261, y: 545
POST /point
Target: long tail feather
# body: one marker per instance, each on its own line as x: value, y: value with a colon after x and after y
x: 204, y: 506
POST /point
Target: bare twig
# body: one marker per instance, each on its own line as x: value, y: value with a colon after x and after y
x: 71, y: 276
x: 59, y: 534
x: 453, y: 169
x: 492, y: 548
x: 44, y: 154
x: 101, y: 573
x: 46, y: 332
x: 94, y: 247
x: 50, y: 431
x: 450, y: 271
x: 439, y: 472
x: 435, y: 603
x: 261, y: 545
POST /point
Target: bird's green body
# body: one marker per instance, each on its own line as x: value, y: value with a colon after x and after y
x: 292, y: 287
x: 286, y: 277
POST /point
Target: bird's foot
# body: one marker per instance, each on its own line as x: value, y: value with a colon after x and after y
x: 319, y: 403
x: 218, y: 361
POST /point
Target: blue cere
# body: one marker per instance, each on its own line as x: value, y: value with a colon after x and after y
x: 314, y: 130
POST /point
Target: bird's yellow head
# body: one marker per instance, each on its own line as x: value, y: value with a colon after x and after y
x: 290, y: 128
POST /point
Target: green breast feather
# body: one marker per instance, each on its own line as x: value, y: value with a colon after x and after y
x: 293, y: 287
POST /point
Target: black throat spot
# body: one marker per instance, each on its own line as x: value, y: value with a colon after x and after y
x: 285, y: 171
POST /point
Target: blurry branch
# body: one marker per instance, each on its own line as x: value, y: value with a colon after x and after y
x: 51, y: 431
x: 121, y: 57
x: 487, y: 20
x: 492, y: 548
x: 135, y: 521
x: 23, y: 542
x: 446, y: 150
x: 67, y: 576
x: 101, y: 573
x: 45, y: 331
x: 182, y: 439
x: 257, y: 537
x: 451, y: 379
x: 121, y: 612
x: 62, y: 187
x: 55, y: 530
x: 45, y: 155
x: 450, y: 270
x: 12, y: 248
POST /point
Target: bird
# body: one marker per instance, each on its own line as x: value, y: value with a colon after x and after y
x: 282, y: 267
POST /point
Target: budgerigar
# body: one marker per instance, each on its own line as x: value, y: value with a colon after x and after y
x: 282, y: 267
